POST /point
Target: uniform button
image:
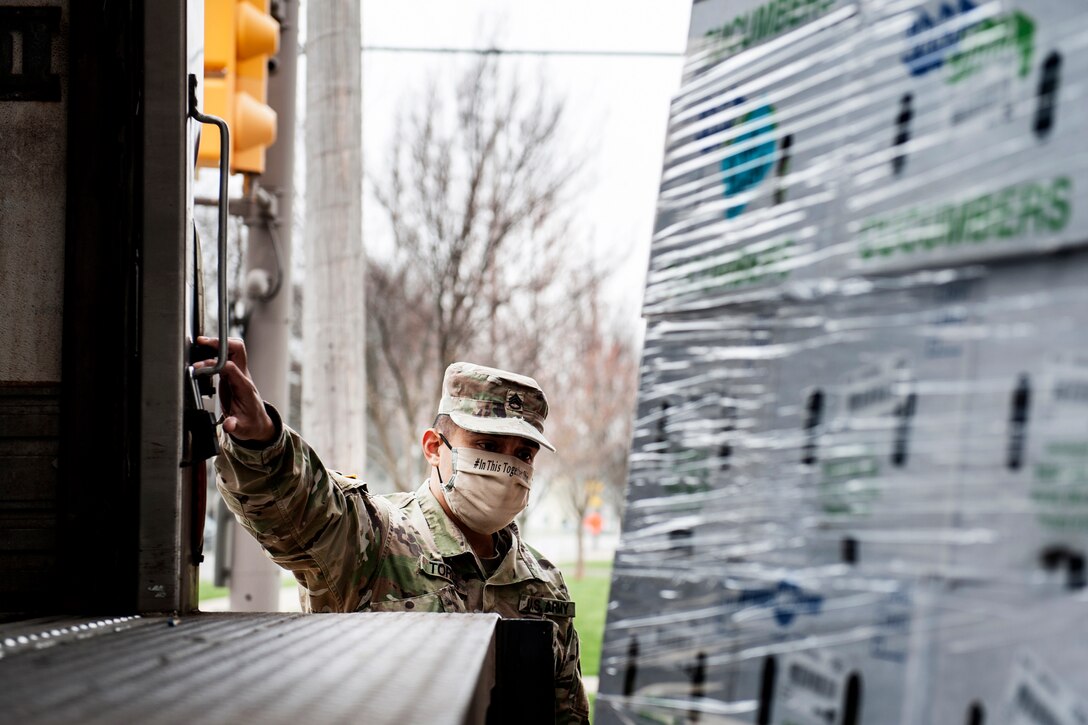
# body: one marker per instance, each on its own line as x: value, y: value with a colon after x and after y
x: 409, y: 605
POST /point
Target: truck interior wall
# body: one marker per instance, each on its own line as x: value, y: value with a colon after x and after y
x: 70, y: 219
x: 34, y: 110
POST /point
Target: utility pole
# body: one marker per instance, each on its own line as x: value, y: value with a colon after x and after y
x: 334, y: 328
x: 254, y: 579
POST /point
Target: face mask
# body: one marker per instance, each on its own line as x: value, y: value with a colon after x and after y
x: 487, y: 490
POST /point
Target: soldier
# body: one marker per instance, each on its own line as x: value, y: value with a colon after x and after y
x: 449, y: 546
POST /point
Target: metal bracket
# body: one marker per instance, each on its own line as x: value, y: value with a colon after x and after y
x: 524, y: 673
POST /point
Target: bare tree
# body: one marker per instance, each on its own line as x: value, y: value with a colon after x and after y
x: 484, y: 266
x: 474, y: 196
x: 596, y: 377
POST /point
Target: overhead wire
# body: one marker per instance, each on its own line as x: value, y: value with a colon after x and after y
x: 525, y: 51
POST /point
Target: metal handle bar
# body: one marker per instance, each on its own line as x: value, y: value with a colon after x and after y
x: 224, y: 175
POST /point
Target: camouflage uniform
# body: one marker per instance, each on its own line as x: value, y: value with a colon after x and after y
x: 351, y: 551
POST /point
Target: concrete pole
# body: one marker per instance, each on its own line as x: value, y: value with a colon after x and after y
x: 254, y: 579
x: 334, y: 320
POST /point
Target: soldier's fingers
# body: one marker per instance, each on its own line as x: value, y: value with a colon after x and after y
x: 230, y: 371
x: 242, y: 390
x: 213, y: 343
x: 226, y: 398
x: 236, y: 350
x: 232, y: 379
x: 230, y: 423
x: 225, y: 393
x: 235, y: 376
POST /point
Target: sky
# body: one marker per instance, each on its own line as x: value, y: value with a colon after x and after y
x: 617, y: 106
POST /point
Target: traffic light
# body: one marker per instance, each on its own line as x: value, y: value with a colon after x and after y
x: 239, y: 38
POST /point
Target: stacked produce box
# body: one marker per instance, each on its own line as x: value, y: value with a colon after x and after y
x: 859, y: 480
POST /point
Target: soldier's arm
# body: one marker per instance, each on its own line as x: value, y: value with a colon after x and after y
x: 308, y: 521
x: 281, y: 493
x: 571, y: 702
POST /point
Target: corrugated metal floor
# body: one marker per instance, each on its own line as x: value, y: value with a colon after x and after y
x: 241, y: 668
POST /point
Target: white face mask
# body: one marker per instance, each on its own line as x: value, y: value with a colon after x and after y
x: 486, y: 490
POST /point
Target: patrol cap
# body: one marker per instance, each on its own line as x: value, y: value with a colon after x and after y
x: 488, y: 400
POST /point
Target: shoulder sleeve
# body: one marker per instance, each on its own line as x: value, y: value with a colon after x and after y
x: 571, y: 702
x: 322, y: 527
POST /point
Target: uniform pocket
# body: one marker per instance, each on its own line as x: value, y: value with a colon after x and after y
x: 429, y: 602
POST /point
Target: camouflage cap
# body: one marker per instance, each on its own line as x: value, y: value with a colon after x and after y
x: 487, y: 400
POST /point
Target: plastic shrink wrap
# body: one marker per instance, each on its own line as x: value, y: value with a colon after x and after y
x: 858, y: 489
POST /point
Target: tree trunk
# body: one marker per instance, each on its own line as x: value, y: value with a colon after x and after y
x: 334, y: 364
x: 580, y: 562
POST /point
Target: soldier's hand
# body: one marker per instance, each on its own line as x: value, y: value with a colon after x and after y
x: 245, y: 417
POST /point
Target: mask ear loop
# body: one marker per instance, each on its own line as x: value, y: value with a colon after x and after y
x: 439, y: 470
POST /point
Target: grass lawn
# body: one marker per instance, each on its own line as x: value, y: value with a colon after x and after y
x: 590, y: 595
x: 211, y: 591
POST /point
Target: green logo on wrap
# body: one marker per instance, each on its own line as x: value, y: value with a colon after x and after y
x: 992, y: 40
x: 849, y: 485
x: 947, y: 36
x: 746, y: 267
x: 1060, y: 486
x: 1018, y: 210
x: 764, y: 22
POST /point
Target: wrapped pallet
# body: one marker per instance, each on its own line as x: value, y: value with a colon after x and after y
x: 859, y: 478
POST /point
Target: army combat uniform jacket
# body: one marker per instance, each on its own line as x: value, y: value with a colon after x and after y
x: 354, y: 552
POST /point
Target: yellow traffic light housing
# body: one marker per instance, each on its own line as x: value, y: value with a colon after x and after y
x: 239, y: 38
